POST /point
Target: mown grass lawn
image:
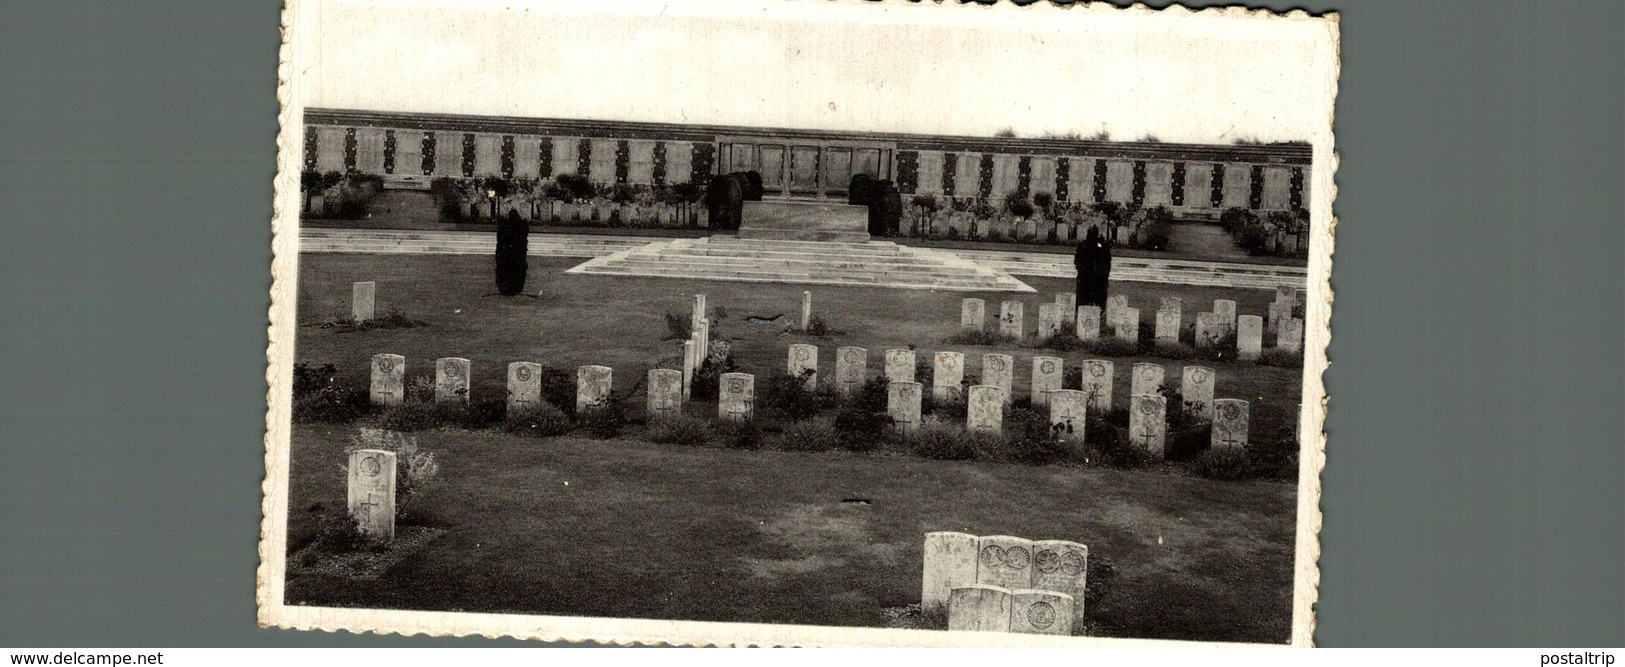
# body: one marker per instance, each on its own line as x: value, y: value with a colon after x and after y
x: 572, y: 526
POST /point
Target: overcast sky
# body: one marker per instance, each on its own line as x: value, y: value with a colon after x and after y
x: 947, y: 69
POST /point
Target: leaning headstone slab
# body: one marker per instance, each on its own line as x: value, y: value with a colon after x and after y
x: 1146, y: 379
x: 1290, y: 337
x: 1040, y: 612
x: 1279, y: 312
x: 665, y: 394
x: 363, y: 301
x: 1230, y: 421
x: 1226, y: 310
x: 1049, y: 320
x: 1148, y: 422
x: 979, y: 608
x: 1088, y: 322
x: 1005, y: 561
x: 451, y: 380
x: 984, y: 410
x: 1208, y: 330
x: 899, y: 365
x: 1115, y: 306
x: 1068, y: 410
x: 1196, y: 388
x: 851, y: 369
x: 593, y: 385
x: 1067, y: 304
x: 803, y: 363
x: 948, y: 377
x: 736, y: 397
x: 950, y: 562
x: 1097, y: 383
x: 998, y: 370
x: 388, y: 379
x: 903, y: 405
x: 973, y: 315
x: 1167, y: 331
x: 371, y: 496
x: 525, y: 386
x: 1011, y: 315
x: 1128, y: 325
x: 1249, y: 337
x: 1062, y: 567
x: 1047, y: 377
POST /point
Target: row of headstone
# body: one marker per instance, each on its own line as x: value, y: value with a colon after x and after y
x: 698, y: 346
x: 1004, y: 584
x: 1123, y: 322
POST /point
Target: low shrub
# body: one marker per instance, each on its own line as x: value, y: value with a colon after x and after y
x: 1280, y: 358
x: 1227, y: 463
x: 1108, y: 444
x: 945, y: 442
x: 330, y: 405
x: 984, y: 337
x: 1029, y: 439
x: 603, y: 422
x: 817, y: 327
x: 788, y: 396
x: 680, y: 430
x: 416, y: 469
x: 871, y: 396
x: 338, y: 532
x: 677, y: 327
x: 861, y: 430
x: 1275, y: 457
x: 415, y: 415
x: 746, y: 434
x: 807, y: 435
x: 542, y: 421
x: 1167, y: 350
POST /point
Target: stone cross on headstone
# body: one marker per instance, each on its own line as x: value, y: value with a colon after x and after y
x: 947, y: 377
x: 950, y: 562
x: 803, y: 363
x: 1067, y: 413
x: 1230, y: 422
x: 806, y: 311
x: 451, y: 380
x: 1005, y: 561
x: 1087, y: 322
x: 1097, y: 383
x: 1290, y: 337
x: 388, y: 379
x: 1128, y: 325
x: 972, y: 315
x: 984, y: 410
x: 1146, y: 379
x: 1047, y: 377
x: 371, y: 493
x: 1208, y: 330
x: 593, y: 386
x: 899, y: 365
x: 1167, y: 331
x: 1010, y: 318
x: 1148, y: 422
x: 903, y: 405
x: 979, y: 608
x: 1041, y: 612
x: 363, y: 301
x: 998, y: 370
x: 1049, y: 320
x: 665, y: 394
x: 1067, y: 304
x: 1249, y: 337
x: 851, y: 369
x: 1225, y: 309
x: 1196, y: 389
x: 1062, y: 567
x: 736, y: 398
x: 524, y: 386
x: 1115, y: 305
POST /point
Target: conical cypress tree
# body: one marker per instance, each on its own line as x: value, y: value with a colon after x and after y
x: 513, y: 247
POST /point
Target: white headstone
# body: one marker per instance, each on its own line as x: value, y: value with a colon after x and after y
x: 1226, y: 310
x: 1037, y: 612
x: 451, y: 380
x: 979, y: 608
x: 1097, y: 383
x: 1115, y: 305
x: 593, y: 384
x: 703, y: 337
x: 1208, y: 330
x: 973, y: 315
x: 372, y: 492
x: 1004, y: 561
x: 851, y: 369
x: 984, y: 410
x: 1148, y: 422
x: 1128, y: 325
x: 362, y: 301
x: 1062, y: 567
x: 899, y: 365
x: 1173, y: 304
x: 697, y: 315
x: 1068, y: 410
x: 1279, y: 312
x: 1249, y: 337
x: 1290, y: 337
x: 903, y: 405
x: 1284, y: 293
x: 1146, y: 379
x: 690, y: 367
x: 1049, y: 320
x: 1011, y: 315
x: 1230, y: 421
x: 947, y: 377
x: 524, y: 386
x: 1196, y: 390
x: 388, y: 379
x: 736, y: 397
x: 1088, y: 322
x: 806, y: 311
x: 1048, y: 374
x: 950, y: 562
x: 1167, y: 331
x: 998, y: 370
x: 1067, y: 304
x: 803, y: 363
x: 665, y: 394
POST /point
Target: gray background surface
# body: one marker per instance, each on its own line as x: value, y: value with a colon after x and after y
x: 1473, y: 491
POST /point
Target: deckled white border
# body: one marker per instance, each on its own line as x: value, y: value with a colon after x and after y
x: 297, y: 17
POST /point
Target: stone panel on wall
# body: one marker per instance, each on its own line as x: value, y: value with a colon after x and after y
x: 369, y: 150
x: 1237, y: 185
x: 679, y: 161
x: 1080, y: 179
x: 527, y: 160
x: 1198, y: 177
x: 1159, y: 184
x: 1119, y: 180
x: 930, y: 173
x: 1277, y: 188
x: 1043, y: 175
x: 564, y: 155
x: 641, y: 162
x: 487, y: 155
x: 603, y: 161
x: 1005, y: 174
x: 968, y: 180
x: 329, y: 149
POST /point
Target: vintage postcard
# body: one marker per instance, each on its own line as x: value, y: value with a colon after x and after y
x: 795, y: 323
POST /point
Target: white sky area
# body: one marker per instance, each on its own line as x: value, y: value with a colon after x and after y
x: 921, y: 68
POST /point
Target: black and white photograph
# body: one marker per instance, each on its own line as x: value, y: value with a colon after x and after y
x: 769, y: 322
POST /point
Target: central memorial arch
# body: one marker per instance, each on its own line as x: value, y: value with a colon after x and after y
x: 806, y: 167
